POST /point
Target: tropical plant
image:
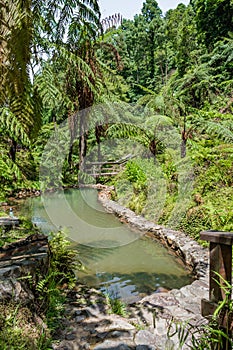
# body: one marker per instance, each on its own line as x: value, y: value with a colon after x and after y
x: 214, y: 20
x: 19, y: 103
x: 116, y: 305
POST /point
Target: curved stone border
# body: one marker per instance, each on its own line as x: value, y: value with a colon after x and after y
x: 150, y: 319
x: 192, y: 254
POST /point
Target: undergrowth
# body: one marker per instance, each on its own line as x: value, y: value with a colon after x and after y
x: 116, y: 305
x: 32, y: 326
x: 20, y: 330
x: 152, y: 190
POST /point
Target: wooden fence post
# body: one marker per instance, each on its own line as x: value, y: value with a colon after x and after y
x: 220, y: 249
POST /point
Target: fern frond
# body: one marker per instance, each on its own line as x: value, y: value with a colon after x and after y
x: 222, y: 130
x: 9, y: 171
x: 10, y: 125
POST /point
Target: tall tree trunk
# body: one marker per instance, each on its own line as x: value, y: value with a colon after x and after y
x: 82, y: 142
x: 73, y: 126
x: 183, y: 147
x: 153, y: 148
x: 98, y: 129
x: 184, y: 137
x: 12, y: 152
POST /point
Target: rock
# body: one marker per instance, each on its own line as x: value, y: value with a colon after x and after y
x: 113, y: 345
x: 80, y: 318
x: 70, y: 336
x: 9, y: 221
x: 19, y: 262
x: 119, y: 334
x: 145, y: 337
x: 78, y: 312
x: 12, y: 289
x: 102, y: 335
x: 119, y: 324
x: 162, y: 290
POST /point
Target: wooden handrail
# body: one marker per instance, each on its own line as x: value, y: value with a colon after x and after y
x: 220, y: 255
x: 108, y: 168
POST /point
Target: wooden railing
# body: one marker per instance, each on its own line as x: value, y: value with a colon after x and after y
x: 109, y: 168
x: 220, y: 252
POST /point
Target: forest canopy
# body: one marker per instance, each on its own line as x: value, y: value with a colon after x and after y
x: 57, y: 59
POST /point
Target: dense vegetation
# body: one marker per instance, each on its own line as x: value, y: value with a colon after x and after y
x: 31, y: 322
x: 170, y: 72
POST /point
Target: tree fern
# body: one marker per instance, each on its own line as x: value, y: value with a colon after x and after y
x: 59, y: 15
x: 143, y: 135
x: 9, y: 172
x: 50, y: 89
x: 214, y: 124
x: 11, y: 126
x: 222, y: 130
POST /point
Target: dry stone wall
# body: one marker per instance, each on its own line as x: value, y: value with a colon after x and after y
x: 192, y: 254
x: 20, y: 262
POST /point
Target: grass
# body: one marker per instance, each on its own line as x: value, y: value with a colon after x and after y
x: 20, y: 330
x: 116, y: 306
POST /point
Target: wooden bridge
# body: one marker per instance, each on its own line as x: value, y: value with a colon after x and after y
x: 108, y: 168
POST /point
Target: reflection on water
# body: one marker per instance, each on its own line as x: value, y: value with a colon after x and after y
x: 117, y: 259
x: 140, y: 267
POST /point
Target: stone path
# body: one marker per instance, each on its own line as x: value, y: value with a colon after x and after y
x: 88, y: 323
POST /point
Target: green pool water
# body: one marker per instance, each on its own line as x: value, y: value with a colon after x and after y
x: 117, y: 260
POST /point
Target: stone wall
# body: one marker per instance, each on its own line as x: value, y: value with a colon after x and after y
x: 20, y: 263
x: 192, y: 254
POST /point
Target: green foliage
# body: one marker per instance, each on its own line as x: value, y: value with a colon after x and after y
x: 18, y: 331
x: 197, y: 219
x: 50, y: 299
x: 116, y: 305
x: 28, y: 31
x: 214, y: 19
x: 199, y: 106
x: 11, y: 235
x: 63, y: 259
x: 60, y: 275
x: 141, y: 187
x: 136, y: 175
x: 131, y: 186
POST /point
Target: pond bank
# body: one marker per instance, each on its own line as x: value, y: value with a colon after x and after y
x: 194, y: 256
x: 91, y: 327
x: 88, y: 324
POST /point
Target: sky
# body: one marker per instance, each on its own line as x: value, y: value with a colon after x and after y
x: 129, y: 8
